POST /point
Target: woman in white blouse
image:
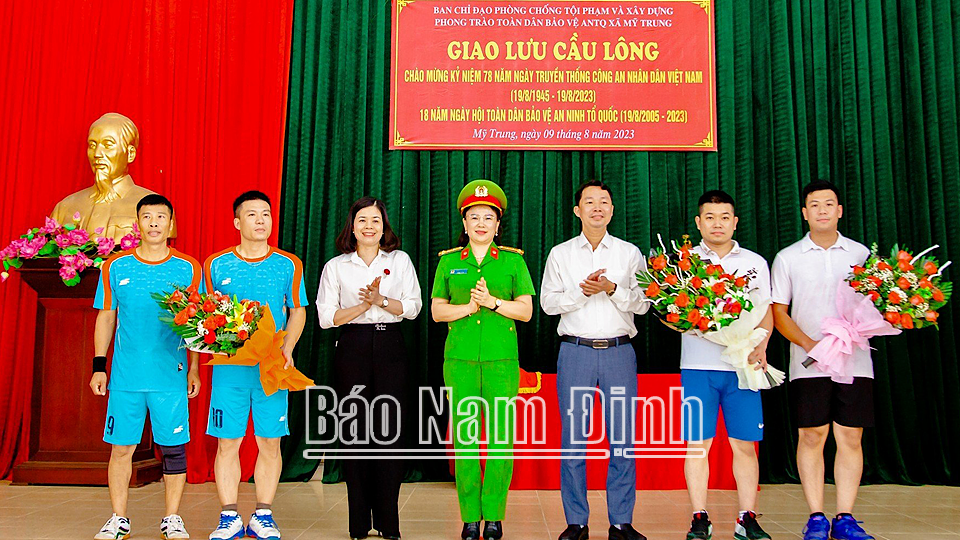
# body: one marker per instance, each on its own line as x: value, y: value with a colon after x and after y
x: 366, y: 292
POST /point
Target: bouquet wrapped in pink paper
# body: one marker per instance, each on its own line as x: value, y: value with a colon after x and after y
x: 858, y: 321
x: 880, y: 298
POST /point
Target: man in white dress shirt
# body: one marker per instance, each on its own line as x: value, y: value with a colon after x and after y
x: 805, y: 277
x: 590, y: 281
x: 705, y: 376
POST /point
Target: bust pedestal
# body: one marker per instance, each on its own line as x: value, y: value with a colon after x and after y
x: 66, y: 421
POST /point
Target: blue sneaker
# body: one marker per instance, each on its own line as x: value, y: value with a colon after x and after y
x: 230, y: 527
x: 845, y: 527
x: 262, y: 526
x: 818, y: 528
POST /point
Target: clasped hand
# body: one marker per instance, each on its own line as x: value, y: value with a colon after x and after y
x: 370, y: 295
x: 480, y: 296
x: 597, y: 283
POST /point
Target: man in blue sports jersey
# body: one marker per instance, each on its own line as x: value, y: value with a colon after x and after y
x: 147, y: 373
x: 253, y: 271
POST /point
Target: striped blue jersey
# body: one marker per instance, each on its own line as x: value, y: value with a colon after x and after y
x: 275, y: 280
x: 147, y: 354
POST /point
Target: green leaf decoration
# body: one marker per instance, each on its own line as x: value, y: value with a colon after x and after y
x: 47, y: 249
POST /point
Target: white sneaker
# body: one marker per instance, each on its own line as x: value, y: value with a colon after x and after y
x: 230, y: 527
x: 116, y: 528
x: 172, y: 527
x: 262, y: 526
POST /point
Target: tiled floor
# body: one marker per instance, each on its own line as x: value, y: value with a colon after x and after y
x: 307, y: 511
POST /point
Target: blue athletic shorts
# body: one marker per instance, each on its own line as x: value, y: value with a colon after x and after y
x: 126, y: 412
x: 230, y: 408
x: 716, y: 390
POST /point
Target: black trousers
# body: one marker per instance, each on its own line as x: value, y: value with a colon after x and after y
x: 372, y: 356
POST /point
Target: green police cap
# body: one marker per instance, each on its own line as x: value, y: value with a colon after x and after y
x: 482, y: 192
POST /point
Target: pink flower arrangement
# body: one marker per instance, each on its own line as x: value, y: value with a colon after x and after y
x: 105, y: 246
x: 32, y: 247
x: 75, y: 249
x: 79, y: 237
x: 49, y: 225
x: 63, y: 241
x: 131, y: 240
x: 68, y: 273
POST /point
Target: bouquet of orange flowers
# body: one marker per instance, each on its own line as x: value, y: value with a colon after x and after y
x: 880, y: 298
x: 209, y: 322
x: 689, y: 293
x: 239, y: 332
x: 693, y: 295
x: 908, y: 290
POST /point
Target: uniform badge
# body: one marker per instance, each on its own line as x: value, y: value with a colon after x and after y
x: 481, y: 191
x: 180, y: 366
x: 458, y: 271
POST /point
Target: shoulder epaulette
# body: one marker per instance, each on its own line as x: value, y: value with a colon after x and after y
x: 448, y: 251
x: 518, y: 251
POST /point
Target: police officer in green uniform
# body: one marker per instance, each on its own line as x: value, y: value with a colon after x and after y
x: 480, y: 291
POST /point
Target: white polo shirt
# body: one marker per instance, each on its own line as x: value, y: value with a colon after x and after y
x: 699, y: 353
x: 805, y: 277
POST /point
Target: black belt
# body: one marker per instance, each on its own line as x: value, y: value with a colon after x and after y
x: 597, y: 343
x: 370, y: 327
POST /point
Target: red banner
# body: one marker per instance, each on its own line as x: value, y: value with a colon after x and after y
x: 553, y: 75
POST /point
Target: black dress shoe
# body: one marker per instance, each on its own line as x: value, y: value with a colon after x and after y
x: 575, y: 532
x: 626, y: 532
x: 389, y: 536
x: 492, y: 530
x: 471, y: 531
x: 359, y: 536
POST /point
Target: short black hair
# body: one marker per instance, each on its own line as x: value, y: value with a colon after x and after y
x: 590, y: 183
x: 252, y: 195
x: 819, y: 185
x: 155, y: 199
x: 716, y: 196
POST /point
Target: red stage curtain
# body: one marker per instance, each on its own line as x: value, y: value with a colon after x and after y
x: 206, y: 84
x: 659, y: 451
x: 655, y: 471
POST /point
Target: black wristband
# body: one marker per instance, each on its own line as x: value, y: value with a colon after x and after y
x: 99, y: 364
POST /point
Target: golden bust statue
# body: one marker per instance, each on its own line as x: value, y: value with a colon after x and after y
x: 111, y: 202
